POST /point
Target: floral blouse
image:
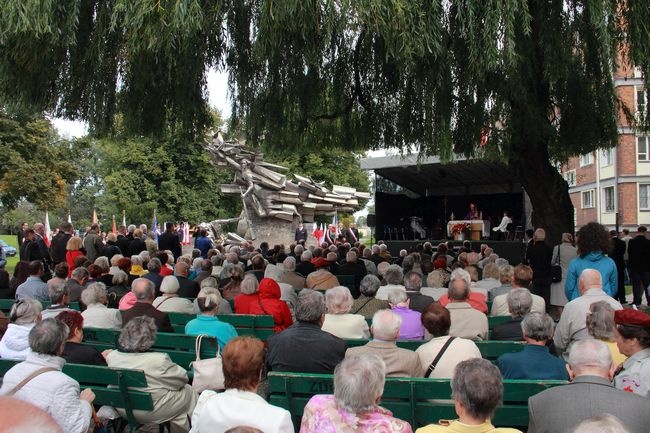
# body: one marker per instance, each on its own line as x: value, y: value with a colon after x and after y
x: 322, y: 415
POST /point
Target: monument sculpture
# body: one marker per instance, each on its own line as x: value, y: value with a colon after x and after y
x: 274, y: 201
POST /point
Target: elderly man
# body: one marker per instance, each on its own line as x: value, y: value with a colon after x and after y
x: 206, y: 271
x: 534, y: 361
x: 475, y: 299
x: 590, y: 393
x: 394, y: 276
x: 412, y: 328
x: 522, y: 277
x: 143, y: 290
x: 305, y: 267
x: 520, y: 302
x: 366, y: 304
x: 371, y: 268
x: 77, y: 283
x: 33, y: 287
x: 290, y: 276
x: 154, y: 266
x: 573, y: 321
x: 413, y: 284
x: 59, y: 299
x: 376, y: 256
x: 466, y: 321
x: 385, y: 331
x: 93, y: 243
x: 354, y: 268
x: 304, y: 347
x: 188, y: 288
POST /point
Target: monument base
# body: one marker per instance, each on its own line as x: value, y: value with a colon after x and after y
x: 273, y: 230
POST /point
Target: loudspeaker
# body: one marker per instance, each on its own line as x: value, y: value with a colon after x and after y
x: 371, y: 220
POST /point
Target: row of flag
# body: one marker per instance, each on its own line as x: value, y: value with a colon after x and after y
x: 321, y: 233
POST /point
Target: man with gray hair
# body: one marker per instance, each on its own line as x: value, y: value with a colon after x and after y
x: 59, y: 301
x: 534, y: 361
x: 77, y: 283
x: 385, y: 331
x: 354, y: 268
x: 290, y: 276
x: 305, y: 267
x: 366, y: 304
x: 590, y: 393
x: 143, y: 290
x: 371, y: 268
x: 466, y: 321
x: 520, y: 302
x: 305, y: 347
x: 413, y: 284
x: 394, y: 277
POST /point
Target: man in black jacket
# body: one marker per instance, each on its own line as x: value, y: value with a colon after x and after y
x: 169, y: 241
x: 59, y: 242
x: 638, y: 251
x: 539, y: 255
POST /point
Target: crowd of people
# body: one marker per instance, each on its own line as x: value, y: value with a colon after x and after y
x: 573, y: 325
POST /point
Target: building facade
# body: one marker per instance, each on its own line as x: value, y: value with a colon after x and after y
x: 612, y: 186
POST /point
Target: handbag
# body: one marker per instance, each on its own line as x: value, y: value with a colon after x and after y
x: 208, y: 373
x: 556, y: 269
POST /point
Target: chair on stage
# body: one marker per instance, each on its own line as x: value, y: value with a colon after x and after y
x: 519, y: 233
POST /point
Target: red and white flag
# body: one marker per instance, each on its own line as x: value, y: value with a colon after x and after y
x: 114, y: 227
x: 48, y: 231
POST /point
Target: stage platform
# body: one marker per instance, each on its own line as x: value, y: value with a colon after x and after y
x: 513, y: 251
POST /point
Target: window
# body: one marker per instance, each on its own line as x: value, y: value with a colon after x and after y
x: 609, y: 199
x: 642, y: 144
x: 570, y: 177
x: 644, y: 196
x: 641, y: 102
x: 588, y: 199
x: 606, y: 157
x: 586, y: 159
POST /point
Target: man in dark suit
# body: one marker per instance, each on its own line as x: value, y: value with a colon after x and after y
x: 354, y: 268
x: 59, y: 242
x: 305, y: 267
x: 618, y: 255
x: 638, y: 251
x: 188, y: 288
x: 301, y: 233
x: 520, y: 302
x: 413, y: 284
x: 21, y: 237
x: 539, y: 255
x: 144, y: 293
x: 169, y: 241
x: 122, y: 240
x: 590, y: 393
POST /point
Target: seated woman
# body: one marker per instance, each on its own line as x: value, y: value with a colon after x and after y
x: 211, y: 285
x: 338, y: 320
x: 96, y: 314
x: 366, y: 304
x: 170, y: 302
x: 233, y: 288
x: 22, y: 318
x: 173, y: 398
x: 248, y: 297
x: 207, y: 322
x: 269, y: 303
x: 74, y: 351
x: 53, y: 391
x: 477, y: 390
x: 120, y: 290
x: 240, y: 405
x: 358, y: 386
x: 600, y: 325
x: 437, y: 321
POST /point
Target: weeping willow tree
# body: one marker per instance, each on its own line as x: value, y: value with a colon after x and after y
x: 431, y: 76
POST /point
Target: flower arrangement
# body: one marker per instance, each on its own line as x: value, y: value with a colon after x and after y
x: 460, y: 228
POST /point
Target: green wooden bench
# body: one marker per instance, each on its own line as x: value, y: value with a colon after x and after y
x: 408, y: 398
x: 492, y: 320
x: 490, y: 349
x: 6, y: 304
x: 110, y: 385
x: 245, y: 324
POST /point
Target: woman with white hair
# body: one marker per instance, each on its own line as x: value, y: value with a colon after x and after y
x: 211, y: 285
x: 22, y: 318
x: 170, y: 302
x: 207, y: 321
x: 338, y: 320
x: 600, y: 325
x: 96, y: 314
x: 358, y: 386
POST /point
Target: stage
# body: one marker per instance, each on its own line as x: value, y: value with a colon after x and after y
x: 513, y: 251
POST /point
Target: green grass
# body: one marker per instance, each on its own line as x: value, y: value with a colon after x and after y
x: 11, y: 261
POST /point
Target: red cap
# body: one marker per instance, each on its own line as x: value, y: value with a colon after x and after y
x: 633, y: 317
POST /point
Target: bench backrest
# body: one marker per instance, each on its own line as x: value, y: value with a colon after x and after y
x: 5, y: 305
x: 490, y: 349
x: 408, y: 398
x: 246, y: 324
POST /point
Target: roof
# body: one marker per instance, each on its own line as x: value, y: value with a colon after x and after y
x: 430, y: 177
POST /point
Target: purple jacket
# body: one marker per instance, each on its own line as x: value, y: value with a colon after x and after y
x: 412, y: 328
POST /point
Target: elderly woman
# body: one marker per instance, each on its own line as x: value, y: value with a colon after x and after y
x: 60, y: 275
x: 96, y: 314
x: 520, y: 302
x: 136, y: 266
x: 233, y: 288
x: 506, y: 275
x: 74, y: 351
x: 562, y: 256
x: 120, y: 288
x: 22, y: 318
x: 170, y: 302
x: 633, y: 340
x: 600, y: 325
x: 366, y: 304
x: 211, y: 285
x: 436, y: 286
x: 173, y: 398
x: 358, y: 386
x: 394, y: 277
x: 338, y: 320
x: 448, y: 351
x: 239, y: 405
x: 269, y: 293
x: 73, y: 249
x: 412, y: 328
x: 50, y: 389
x: 207, y: 322
x: 477, y: 390
x: 248, y: 297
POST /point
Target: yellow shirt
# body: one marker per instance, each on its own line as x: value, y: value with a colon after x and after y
x: 455, y: 426
x: 617, y: 357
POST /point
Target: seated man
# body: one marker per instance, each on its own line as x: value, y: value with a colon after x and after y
x: 385, y: 331
x: 590, y: 393
x: 535, y: 361
x: 519, y: 303
x: 475, y: 299
x: 413, y: 284
x: 143, y: 290
x: 466, y: 322
x: 60, y: 301
x: 477, y: 390
x: 304, y: 347
x: 522, y: 277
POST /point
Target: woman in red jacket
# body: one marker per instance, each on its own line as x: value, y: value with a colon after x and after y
x: 74, y: 249
x: 268, y: 302
x: 248, y: 297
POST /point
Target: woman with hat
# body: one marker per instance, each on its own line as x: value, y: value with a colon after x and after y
x: 633, y: 340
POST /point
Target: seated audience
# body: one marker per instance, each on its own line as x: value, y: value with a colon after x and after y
x: 522, y: 277
x: 366, y: 304
x: 143, y: 293
x: 73, y: 251
x: 413, y: 284
x: 446, y: 351
x: 394, y: 278
x: 476, y: 300
x: 51, y: 390
x: 466, y: 321
x: 355, y: 268
x: 96, y: 314
x: 60, y: 275
x: 77, y: 283
x: 269, y: 303
x: 305, y: 267
x: 590, y: 393
x: 354, y: 407
x: 59, y: 301
x: 385, y: 332
x: 322, y: 280
x: 154, y: 266
x: 477, y: 390
x: 411, y: 328
x: 338, y: 320
x: 232, y: 289
x: 211, y: 285
x: 506, y: 275
x: 22, y: 318
x: 436, y: 285
x: 240, y: 404
x: 173, y: 398
x: 633, y: 340
x: 305, y: 347
x: 290, y: 276
x: 33, y: 287
x: 75, y: 352
x: 188, y: 288
x: 519, y: 303
x: 120, y: 288
x: 249, y: 296
x: 600, y: 325
x: 170, y: 302
x: 207, y: 322
x: 534, y: 361
x: 491, y: 278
